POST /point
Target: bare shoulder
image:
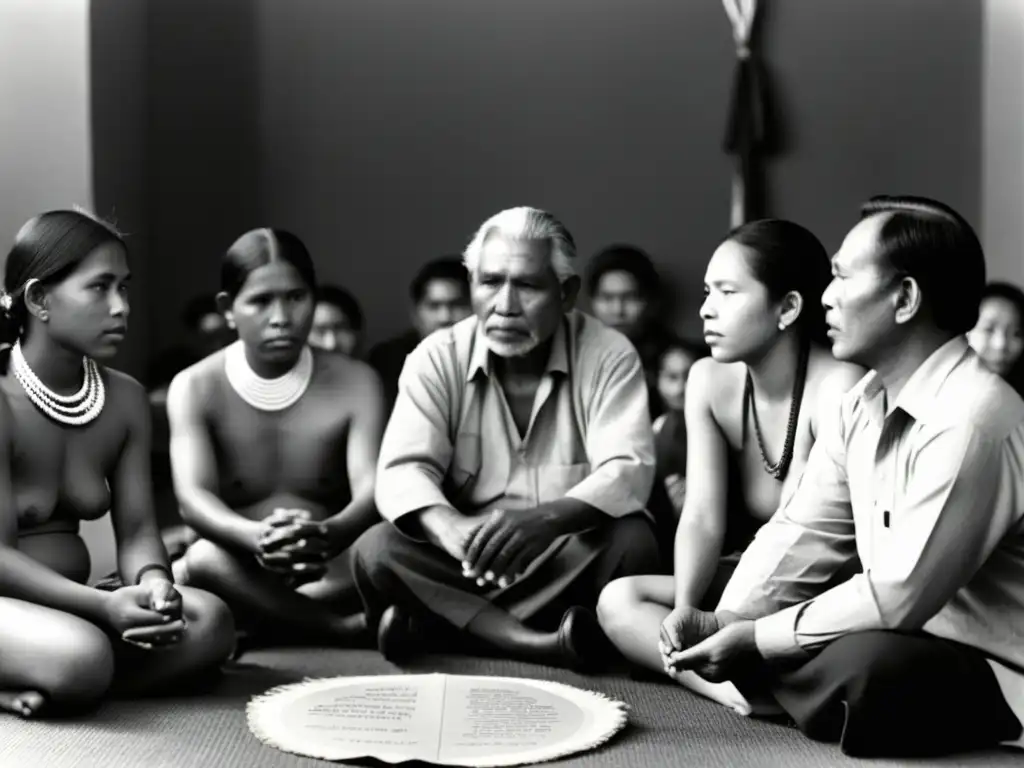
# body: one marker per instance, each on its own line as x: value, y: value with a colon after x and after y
x: 341, y: 369
x: 195, y: 383
x: 829, y: 378
x: 123, y: 387
x: 347, y: 377
x: 130, y: 397
x: 715, y: 383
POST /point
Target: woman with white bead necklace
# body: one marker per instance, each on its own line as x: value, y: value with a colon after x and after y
x: 74, y: 443
x: 273, y: 452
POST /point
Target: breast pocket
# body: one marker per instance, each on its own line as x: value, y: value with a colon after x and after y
x: 555, y: 480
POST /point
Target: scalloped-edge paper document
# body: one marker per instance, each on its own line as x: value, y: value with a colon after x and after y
x: 465, y: 720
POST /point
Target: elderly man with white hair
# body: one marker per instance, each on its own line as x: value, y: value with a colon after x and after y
x: 515, y: 468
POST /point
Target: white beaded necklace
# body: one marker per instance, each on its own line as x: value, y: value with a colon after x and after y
x: 73, y: 410
x: 267, y: 394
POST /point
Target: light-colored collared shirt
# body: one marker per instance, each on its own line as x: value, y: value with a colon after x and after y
x: 451, y: 439
x: 929, y: 494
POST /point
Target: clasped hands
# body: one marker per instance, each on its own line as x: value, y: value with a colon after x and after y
x: 290, y: 543
x: 715, y: 646
x: 498, y: 548
x: 147, y: 615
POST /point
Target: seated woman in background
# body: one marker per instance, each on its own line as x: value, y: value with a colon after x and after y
x: 337, y: 322
x: 670, y: 439
x: 997, y: 336
x: 273, y: 452
x: 68, y: 453
x: 752, y: 411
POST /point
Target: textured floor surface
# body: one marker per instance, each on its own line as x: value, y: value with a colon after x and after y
x: 668, y: 726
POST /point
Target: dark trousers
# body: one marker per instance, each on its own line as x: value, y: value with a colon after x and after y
x: 889, y: 694
x: 391, y: 568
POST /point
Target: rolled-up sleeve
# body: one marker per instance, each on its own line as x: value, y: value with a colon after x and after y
x: 416, y: 449
x: 619, y: 439
x: 959, y: 504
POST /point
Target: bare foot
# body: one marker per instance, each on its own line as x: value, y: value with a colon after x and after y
x: 24, y: 703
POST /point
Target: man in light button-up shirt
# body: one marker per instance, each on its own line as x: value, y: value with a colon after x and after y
x: 516, y: 465
x: 921, y: 479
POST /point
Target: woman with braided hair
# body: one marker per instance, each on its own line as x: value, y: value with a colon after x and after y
x: 75, y: 443
x: 752, y: 410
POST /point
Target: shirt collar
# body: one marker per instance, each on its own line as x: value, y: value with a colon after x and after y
x: 558, y: 360
x: 924, y: 384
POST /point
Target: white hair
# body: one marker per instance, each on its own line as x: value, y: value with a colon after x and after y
x: 525, y: 223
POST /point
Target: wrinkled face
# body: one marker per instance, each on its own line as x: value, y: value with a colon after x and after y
x: 672, y: 376
x: 997, y: 337
x: 332, y: 330
x: 861, y: 301
x: 618, y: 302
x: 517, y: 296
x: 88, y: 310
x: 273, y: 313
x: 444, y: 303
x: 740, y: 319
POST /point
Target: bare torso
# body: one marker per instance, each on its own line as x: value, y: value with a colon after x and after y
x: 295, y: 458
x: 755, y: 492
x: 60, y: 475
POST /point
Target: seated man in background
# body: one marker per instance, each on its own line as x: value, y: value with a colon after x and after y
x: 516, y: 465
x: 337, y: 322
x: 440, y: 298
x: 274, y: 450
x: 920, y: 479
x: 626, y: 294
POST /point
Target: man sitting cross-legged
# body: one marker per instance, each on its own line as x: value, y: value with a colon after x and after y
x: 516, y: 465
x: 273, y: 450
x: 919, y: 479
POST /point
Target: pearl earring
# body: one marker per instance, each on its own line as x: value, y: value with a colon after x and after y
x: 782, y: 326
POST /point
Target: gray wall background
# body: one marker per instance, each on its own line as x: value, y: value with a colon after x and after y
x: 384, y: 131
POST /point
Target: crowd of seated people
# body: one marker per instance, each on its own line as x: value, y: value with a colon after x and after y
x: 818, y: 511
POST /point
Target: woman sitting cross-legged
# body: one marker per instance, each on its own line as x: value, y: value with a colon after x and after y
x: 752, y: 411
x: 273, y: 453
x: 75, y: 443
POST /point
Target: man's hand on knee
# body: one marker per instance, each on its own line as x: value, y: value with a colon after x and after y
x: 503, y: 547
x: 448, y: 530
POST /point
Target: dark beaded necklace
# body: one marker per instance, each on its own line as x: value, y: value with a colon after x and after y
x: 778, y: 470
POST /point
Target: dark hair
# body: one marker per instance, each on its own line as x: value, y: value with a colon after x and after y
x: 1008, y: 292
x: 1014, y: 295
x: 621, y: 257
x: 48, y: 248
x: 338, y: 297
x: 446, y: 268
x: 787, y: 257
x: 260, y: 247
x: 197, y: 308
x: 930, y: 242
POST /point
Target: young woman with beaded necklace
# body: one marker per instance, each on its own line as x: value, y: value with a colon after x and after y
x: 752, y: 411
x: 273, y: 453
x: 74, y: 443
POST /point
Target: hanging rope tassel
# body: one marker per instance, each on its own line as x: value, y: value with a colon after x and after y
x: 745, y: 125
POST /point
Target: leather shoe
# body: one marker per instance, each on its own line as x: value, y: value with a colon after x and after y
x: 582, y: 643
x: 396, y: 635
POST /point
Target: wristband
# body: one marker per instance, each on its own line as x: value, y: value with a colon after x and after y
x: 153, y: 567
